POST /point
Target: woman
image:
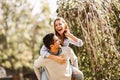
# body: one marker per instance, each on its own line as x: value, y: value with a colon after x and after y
x: 62, y: 31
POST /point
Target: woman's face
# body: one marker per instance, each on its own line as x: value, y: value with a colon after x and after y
x: 59, y: 26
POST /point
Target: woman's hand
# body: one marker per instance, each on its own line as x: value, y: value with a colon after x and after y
x: 70, y: 35
x: 67, y: 33
x: 60, y: 59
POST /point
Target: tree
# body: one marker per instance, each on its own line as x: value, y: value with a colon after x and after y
x: 21, y: 32
x: 93, y: 21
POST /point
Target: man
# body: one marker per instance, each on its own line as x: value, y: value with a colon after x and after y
x: 54, y: 70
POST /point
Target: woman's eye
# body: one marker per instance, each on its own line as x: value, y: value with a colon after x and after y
x: 55, y: 25
x: 60, y: 24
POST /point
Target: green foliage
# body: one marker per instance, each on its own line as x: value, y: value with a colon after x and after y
x: 97, y: 24
x: 21, y: 32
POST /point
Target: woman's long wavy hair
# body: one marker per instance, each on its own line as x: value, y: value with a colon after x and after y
x: 66, y: 26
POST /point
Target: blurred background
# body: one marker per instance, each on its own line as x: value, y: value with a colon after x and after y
x: 23, y: 23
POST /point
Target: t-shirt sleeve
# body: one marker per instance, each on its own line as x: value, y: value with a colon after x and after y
x: 39, y: 62
x: 78, y: 43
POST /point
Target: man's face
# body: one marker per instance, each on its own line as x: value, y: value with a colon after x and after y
x: 56, y: 42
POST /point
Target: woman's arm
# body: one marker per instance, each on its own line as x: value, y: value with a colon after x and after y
x: 58, y: 59
x: 73, y: 39
x: 78, y: 42
x: 44, y: 53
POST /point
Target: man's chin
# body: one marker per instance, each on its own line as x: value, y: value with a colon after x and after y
x: 59, y: 47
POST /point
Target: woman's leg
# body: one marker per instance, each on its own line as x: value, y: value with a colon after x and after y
x: 77, y: 74
x: 43, y: 74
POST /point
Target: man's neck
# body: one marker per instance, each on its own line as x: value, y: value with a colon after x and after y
x: 54, y: 51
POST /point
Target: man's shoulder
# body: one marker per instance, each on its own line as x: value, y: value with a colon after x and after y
x: 40, y: 58
x: 66, y: 51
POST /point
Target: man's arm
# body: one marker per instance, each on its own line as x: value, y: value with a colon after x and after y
x: 37, y: 64
x: 37, y: 72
